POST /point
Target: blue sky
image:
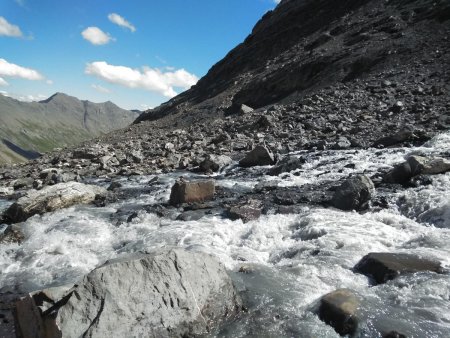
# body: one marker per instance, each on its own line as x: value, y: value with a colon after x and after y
x: 136, y: 53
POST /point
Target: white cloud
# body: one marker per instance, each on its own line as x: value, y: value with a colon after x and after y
x: 96, y: 36
x: 145, y: 106
x: 24, y: 98
x: 7, y: 29
x: 277, y: 1
x: 119, y: 20
x: 100, y: 89
x: 49, y: 82
x: 11, y: 70
x: 31, y: 98
x: 3, y: 82
x: 152, y: 79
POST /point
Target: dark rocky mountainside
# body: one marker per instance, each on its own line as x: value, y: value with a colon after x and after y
x: 61, y: 120
x: 306, y: 46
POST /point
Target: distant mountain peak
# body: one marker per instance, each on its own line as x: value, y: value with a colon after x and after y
x: 58, y: 96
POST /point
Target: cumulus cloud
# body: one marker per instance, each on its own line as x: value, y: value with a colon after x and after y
x: 119, y: 20
x: 152, y: 79
x: 100, y: 88
x: 31, y: 98
x: 3, y: 82
x: 8, y: 29
x: 96, y: 36
x: 11, y: 70
x: 25, y: 98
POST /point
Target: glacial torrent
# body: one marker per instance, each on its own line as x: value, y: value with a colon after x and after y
x: 293, y: 259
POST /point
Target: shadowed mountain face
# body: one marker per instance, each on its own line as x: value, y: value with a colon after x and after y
x: 307, y: 45
x: 30, y: 128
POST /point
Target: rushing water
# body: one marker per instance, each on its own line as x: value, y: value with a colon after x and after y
x: 294, y: 259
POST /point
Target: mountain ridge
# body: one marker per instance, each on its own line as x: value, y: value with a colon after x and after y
x: 303, y: 46
x: 58, y: 121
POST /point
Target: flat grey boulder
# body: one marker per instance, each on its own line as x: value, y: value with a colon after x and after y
x: 384, y: 266
x: 167, y: 293
x: 354, y: 193
x: 260, y: 155
x: 190, y: 192
x: 428, y: 166
x: 51, y: 198
x: 339, y: 309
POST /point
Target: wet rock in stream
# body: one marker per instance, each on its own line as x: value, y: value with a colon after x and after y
x: 51, y: 198
x: 339, y: 309
x: 384, y: 266
x: 189, y: 192
x: 167, y: 293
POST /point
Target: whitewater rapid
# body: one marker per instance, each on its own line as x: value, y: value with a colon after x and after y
x: 294, y: 259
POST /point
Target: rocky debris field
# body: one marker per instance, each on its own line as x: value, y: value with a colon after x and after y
x: 197, y: 195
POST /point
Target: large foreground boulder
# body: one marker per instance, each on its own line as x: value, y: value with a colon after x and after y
x: 354, y: 193
x: 51, y: 198
x: 168, y: 293
x: 384, y: 266
x: 190, y: 192
x: 339, y: 310
x: 260, y: 155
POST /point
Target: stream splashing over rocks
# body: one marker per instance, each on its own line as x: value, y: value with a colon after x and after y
x: 282, y: 264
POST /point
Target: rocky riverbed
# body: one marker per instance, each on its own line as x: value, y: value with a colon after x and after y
x: 283, y: 243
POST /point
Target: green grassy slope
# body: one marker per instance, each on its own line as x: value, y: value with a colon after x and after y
x: 57, y: 122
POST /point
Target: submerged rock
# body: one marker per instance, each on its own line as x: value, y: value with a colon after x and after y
x: 260, y: 155
x: 384, y: 266
x: 354, y: 194
x: 168, y: 293
x: 339, y: 310
x: 189, y: 192
x: 51, y: 198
